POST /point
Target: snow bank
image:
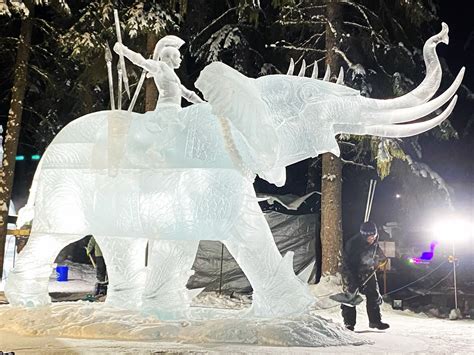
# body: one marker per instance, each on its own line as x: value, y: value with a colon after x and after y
x: 98, y: 321
x: 215, y: 319
x: 80, y: 327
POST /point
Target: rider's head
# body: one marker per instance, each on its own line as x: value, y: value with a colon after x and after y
x: 171, y: 56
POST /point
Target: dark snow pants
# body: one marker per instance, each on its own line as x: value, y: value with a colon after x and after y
x: 372, y: 294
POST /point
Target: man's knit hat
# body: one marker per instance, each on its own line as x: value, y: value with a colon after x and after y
x: 368, y: 228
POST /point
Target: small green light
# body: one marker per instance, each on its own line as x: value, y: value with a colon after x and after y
x: 20, y: 157
x: 36, y: 157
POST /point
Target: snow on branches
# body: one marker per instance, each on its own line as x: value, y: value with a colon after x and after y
x: 95, y: 26
x: 226, y: 37
x: 424, y: 171
x: 19, y: 7
x: 154, y: 18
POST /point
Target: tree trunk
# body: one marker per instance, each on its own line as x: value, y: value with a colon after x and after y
x: 13, y: 126
x: 331, y: 184
x: 151, y: 92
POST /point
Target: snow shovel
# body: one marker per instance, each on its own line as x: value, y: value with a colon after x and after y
x: 347, y: 299
x: 351, y: 299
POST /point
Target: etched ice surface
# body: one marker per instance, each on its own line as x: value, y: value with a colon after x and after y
x: 175, y: 176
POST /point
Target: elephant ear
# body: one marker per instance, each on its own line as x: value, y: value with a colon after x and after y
x: 237, y: 98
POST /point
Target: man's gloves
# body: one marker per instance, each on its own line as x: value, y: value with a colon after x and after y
x: 382, y: 264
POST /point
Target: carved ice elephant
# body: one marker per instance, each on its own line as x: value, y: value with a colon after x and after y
x: 164, y: 176
x: 176, y: 176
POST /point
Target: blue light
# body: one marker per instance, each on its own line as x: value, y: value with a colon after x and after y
x: 20, y: 157
x: 36, y: 157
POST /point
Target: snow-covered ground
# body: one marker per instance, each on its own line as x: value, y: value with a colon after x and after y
x: 83, y: 327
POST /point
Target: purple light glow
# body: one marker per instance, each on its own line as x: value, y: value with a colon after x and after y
x: 426, y: 256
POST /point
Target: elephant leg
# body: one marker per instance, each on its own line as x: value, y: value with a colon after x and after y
x: 27, y: 284
x: 125, y: 261
x: 277, y: 291
x: 169, y: 268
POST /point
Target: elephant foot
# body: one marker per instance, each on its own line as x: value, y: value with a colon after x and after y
x: 174, y: 305
x: 283, y: 306
x: 283, y: 295
x: 168, y: 313
x: 123, y: 300
x: 34, y: 296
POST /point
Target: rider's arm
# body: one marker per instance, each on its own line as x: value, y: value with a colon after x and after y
x: 191, y: 96
x: 137, y: 59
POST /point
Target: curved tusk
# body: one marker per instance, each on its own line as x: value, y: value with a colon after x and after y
x: 411, y: 129
x: 314, y: 74
x: 291, y: 68
x: 430, y: 84
x: 412, y: 113
x: 396, y: 131
x: 340, y: 77
x: 303, y: 68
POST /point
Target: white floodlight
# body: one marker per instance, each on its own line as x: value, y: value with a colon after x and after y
x: 453, y: 229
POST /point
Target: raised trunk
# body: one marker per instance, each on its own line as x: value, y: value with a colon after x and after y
x: 13, y: 126
x: 331, y: 184
x: 151, y: 92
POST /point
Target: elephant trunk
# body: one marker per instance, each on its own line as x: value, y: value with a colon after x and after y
x: 428, y: 86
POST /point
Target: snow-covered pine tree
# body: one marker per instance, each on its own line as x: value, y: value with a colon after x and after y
x: 25, y: 9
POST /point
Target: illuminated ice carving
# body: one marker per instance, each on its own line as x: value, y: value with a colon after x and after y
x: 176, y: 176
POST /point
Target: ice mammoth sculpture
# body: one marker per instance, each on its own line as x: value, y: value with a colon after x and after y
x: 176, y: 176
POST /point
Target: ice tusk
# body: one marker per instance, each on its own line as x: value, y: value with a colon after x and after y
x: 412, y: 113
x: 411, y: 129
x: 394, y: 130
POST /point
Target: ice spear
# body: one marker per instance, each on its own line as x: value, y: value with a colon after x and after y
x: 119, y: 99
x: 122, y: 59
x: 137, y: 90
x: 108, y: 61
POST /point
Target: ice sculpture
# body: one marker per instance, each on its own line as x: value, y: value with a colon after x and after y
x: 175, y: 176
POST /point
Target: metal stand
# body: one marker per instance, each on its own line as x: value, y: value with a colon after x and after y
x: 454, y: 276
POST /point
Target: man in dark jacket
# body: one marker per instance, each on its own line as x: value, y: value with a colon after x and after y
x: 362, y: 256
x: 101, y: 269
